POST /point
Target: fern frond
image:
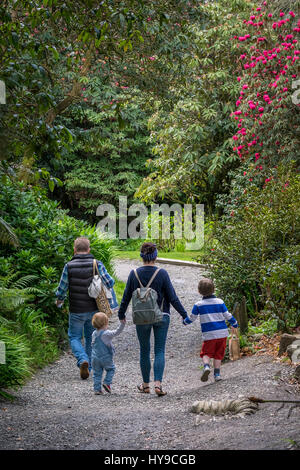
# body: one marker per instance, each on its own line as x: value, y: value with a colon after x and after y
x: 11, y: 299
x: 24, y: 281
x: 5, y: 321
x: 33, y: 291
x: 7, y: 235
x: 5, y: 281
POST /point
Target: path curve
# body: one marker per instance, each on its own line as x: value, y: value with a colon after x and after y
x: 57, y: 410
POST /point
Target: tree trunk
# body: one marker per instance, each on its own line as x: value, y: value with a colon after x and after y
x: 243, y: 316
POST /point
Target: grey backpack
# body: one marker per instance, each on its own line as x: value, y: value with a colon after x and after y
x: 145, y: 309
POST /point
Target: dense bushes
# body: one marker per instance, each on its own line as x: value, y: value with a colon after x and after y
x: 192, y: 141
x: 30, y: 343
x: 258, y: 250
x: 46, y: 235
x: 105, y: 161
x: 17, y: 357
x: 281, y: 287
x: 30, y: 323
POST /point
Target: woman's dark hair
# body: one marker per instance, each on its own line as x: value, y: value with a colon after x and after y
x: 148, y: 248
x: 148, y: 251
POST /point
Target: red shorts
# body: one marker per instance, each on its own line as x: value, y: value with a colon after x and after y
x: 214, y: 348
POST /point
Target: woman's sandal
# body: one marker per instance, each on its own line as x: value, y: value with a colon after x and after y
x: 143, y: 389
x: 159, y: 391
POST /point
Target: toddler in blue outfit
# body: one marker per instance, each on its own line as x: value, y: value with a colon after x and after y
x: 103, y: 352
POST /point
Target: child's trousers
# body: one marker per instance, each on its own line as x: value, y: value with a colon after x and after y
x: 99, y: 366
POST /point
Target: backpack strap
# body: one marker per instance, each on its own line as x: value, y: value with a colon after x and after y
x: 136, y: 275
x: 152, y: 278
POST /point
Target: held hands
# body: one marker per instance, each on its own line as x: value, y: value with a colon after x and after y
x: 187, y: 321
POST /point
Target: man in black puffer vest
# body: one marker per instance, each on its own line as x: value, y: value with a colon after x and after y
x: 76, y: 277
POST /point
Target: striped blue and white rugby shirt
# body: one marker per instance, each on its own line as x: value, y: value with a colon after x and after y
x: 213, y: 314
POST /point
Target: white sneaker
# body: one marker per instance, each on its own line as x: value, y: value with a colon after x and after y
x: 217, y: 378
x: 205, y: 374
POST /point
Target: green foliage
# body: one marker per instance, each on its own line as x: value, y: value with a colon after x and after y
x: 30, y: 344
x: 7, y: 235
x: 14, y: 294
x: 16, y: 368
x: 119, y: 289
x: 49, y: 49
x: 162, y: 231
x: 46, y: 235
x: 267, y: 327
x: 192, y: 143
x: 31, y: 326
x: 129, y: 244
x: 42, y: 338
x: 257, y: 254
x: 281, y: 287
x: 94, y: 90
x: 106, y: 161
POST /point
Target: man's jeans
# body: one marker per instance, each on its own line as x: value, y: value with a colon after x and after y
x: 81, y: 324
x: 160, y: 331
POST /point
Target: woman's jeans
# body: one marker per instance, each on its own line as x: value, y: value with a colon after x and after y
x: 160, y: 331
x: 80, y: 324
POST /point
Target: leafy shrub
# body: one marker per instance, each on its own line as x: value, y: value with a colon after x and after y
x: 42, y: 339
x: 46, y: 235
x: 30, y: 344
x: 257, y: 255
x: 267, y: 117
x: 268, y: 327
x: 106, y: 161
x: 129, y: 244
x: 14, y: 293
x: 23, y: 331
x: 16, y: 368
x: 281, y: 287
x: 192, y: 143
x: 31, y: 326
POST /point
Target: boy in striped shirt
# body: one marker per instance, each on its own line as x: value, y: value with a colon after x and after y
x: 213, y: 314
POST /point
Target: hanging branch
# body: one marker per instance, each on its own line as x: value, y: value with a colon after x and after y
x: 74, y: 94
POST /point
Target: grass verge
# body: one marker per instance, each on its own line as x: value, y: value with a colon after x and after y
x: 183, y: 256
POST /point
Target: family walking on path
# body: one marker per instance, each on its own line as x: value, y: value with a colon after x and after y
x: 152, y: 294
x: 57, y: 410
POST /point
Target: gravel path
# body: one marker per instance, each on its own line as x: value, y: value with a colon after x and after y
x: 57, y: 410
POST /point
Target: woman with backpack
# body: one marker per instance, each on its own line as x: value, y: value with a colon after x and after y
x: 152, y: 293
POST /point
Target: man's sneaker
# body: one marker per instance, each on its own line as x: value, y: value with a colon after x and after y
x: 98, y: 392
x: 107, y: 388
x: 217, y: 378
x: 205, y: 374
x: 84, y: 370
